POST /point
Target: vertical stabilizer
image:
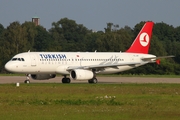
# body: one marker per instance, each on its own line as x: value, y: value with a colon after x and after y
x: 142, y: 42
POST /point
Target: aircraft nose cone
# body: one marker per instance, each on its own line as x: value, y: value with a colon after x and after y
x: 12, y: 67
x: 8, y: 67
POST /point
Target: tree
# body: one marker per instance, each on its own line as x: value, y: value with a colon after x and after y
x: 137, y: 28
x: 164, y: 32
x: 93, y: 42
x: 31, y: 33
x: 177, y: 34
x: 13, y: 41
x: 42, y: 41
x: 15, y: 38
x: 69, y: 34
x: 109, y: 27
x: 1, y: 29
x: 156, y: 47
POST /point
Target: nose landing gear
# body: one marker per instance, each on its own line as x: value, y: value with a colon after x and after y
x: 27, y: 81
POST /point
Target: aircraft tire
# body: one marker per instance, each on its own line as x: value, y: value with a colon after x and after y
x: 66, y: 80
x: 94, y: 80
x: 90, y: 81
x: 27, y: 81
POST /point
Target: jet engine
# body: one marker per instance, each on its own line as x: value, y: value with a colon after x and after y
x: 42, y: 76
x: 79, y: 74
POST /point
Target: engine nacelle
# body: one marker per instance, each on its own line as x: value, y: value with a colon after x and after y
x: 79, y: 74
x: 42, y: 76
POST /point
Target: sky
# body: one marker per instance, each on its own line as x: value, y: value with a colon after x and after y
x: 93, y: 14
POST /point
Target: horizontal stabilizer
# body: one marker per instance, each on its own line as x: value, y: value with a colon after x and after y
x: 155, y: 58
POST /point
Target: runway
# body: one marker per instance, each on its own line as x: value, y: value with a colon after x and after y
x: 101, y: 80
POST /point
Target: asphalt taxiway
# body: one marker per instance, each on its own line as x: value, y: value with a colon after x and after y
x: 111, y: 80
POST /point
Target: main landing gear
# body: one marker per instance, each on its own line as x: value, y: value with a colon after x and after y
x: 27, y: 79
x: 66, y: 80
x: 94, y: 80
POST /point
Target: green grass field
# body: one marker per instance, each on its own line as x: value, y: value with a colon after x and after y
x: 89, y: 101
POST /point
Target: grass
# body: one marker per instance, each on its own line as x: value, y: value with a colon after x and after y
x: 90, y: 101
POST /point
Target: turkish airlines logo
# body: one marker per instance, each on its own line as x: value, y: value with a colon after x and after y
x: 144, y: 39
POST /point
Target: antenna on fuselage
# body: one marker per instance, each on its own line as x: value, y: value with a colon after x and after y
x: 95, y: 51
x: 29, y: 51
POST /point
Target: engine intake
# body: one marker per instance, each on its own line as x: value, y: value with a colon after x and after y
x: 79, y: 74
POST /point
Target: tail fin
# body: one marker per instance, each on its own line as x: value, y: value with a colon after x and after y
x: 142, y: 42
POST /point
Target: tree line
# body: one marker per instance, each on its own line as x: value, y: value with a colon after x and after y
x: 67, y: 35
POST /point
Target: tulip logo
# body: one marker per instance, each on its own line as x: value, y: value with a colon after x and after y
x: 144, y: 39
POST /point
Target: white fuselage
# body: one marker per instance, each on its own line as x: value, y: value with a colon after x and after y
x: 59, y: 62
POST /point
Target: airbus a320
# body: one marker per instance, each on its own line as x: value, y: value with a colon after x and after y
x: 84, y: 65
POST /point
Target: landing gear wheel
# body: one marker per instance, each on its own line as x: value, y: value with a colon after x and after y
x: 94, y: 80
x: 27, y: 81
x: 66, y: 80
x: 90, y: 81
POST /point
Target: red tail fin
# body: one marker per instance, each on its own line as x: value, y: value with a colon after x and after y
x: 142, y: 42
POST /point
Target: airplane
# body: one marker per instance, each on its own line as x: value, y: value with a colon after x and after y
x: 84, y: 65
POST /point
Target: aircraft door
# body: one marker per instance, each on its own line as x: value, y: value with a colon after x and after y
x: 33, y: 60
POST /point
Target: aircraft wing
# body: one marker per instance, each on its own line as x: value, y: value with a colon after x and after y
x: 105, y: 66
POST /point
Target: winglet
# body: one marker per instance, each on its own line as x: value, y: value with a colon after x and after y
x: 142, y: 42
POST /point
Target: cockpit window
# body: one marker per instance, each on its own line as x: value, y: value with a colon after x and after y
x: 17, y: 59
x: 14, y: 59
